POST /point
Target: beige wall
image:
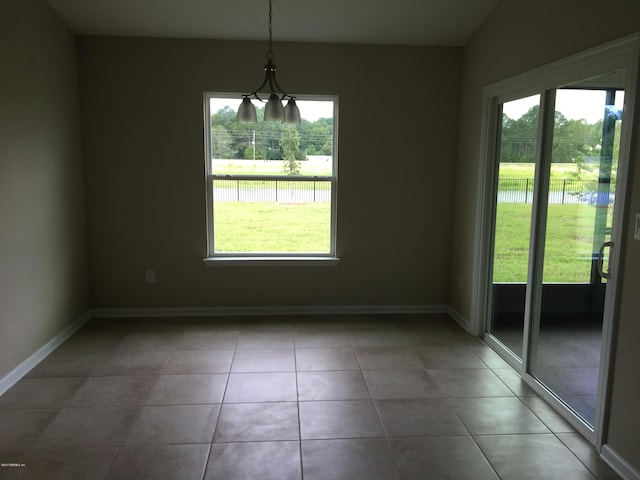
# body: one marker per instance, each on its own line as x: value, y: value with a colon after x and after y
x: 43, y: 273
x: 142, y: 127
x: 517, y: 36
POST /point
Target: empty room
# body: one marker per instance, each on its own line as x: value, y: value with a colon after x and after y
x: 413, y: 252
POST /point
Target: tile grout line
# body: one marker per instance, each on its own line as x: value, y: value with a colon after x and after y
x: 295, y: 368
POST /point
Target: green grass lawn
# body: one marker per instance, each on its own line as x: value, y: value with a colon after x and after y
x: 286, y: 228
x: 289, y: 228
x: 568, y: 244
x: 570, y: 229
x: 272, y: 227
x: 559, y: 171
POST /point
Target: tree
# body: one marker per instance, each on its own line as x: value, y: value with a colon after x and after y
x: 518, y: 141
x: 314, y: 138
x: 220, y: 142
x: 290, y: 143
x: 574, y: 141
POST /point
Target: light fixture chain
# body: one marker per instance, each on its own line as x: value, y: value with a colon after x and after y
x: 270, y: 53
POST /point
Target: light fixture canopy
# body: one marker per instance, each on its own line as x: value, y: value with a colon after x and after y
x: 274, y: 111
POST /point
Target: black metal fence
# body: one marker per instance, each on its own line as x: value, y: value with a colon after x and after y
x: 563, y: 191
x: 311, y: 190
x: 306, y: 190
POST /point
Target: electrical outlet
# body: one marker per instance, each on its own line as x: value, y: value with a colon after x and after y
x: 150, y: 276
x: 636, y: 232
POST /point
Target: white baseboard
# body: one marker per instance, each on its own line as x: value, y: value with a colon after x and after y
x: 23, y: 368
x: 279, y: 310
x: 459, y: 318
x: 619, y: 464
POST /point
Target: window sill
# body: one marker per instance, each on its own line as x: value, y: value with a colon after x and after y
x: 271, y: 261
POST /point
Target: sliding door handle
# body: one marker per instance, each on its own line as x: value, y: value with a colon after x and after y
x: 602, y: 273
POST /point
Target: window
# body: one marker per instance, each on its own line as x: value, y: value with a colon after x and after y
x: 271, y: 187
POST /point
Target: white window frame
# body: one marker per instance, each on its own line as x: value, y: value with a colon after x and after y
x: 214, y: 258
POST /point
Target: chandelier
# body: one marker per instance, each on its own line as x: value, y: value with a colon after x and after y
x: 274, y: 111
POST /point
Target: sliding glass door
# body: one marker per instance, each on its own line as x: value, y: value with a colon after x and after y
x: 516, y: 154
x: 580, y: 164
x: 556, y: 150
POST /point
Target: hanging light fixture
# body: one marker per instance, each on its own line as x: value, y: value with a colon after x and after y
x: 274, y: 111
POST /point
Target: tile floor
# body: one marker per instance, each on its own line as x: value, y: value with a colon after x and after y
x: 342, y: 397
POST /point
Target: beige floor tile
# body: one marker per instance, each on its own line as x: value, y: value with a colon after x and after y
x: 19, y: 429
x: 449, y: 357
x: 68, y: 364
x: 273, y: 360
x: 387, y: 358
x: 489, y: 357
x: 587, y: 454
x: 261, y: 387
x: 455, y: 458
x: 387, y: 384
x: 88, y: 427
x: 469, y: 382
x: 165, y: 341
x: 200, y: 361
x: 250, y: 422
x: 332, y: 385
x: 327, y: 358
x: 208, y: 340
x: 353, y: 459
x: 133, y: 363
x: 121, y: 391
x: 515, y: 383
x: 260, y: 460
x: 319, y: 336
x: 496, y: 415
x: 339, y: 419
x: 89, y: 339
x: 548, y: 415
x: 379, y: 337
x: 261, y: 339
x: 41, y: 393
x: 159, y: 462
x: 419, y: 417
x: 58, y: 463
x: 188, y: 389
x: 532, y: 457
x: 174, y: 424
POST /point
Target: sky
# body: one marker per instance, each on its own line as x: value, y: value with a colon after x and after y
x: 573, y: 104
x: 309, y: 110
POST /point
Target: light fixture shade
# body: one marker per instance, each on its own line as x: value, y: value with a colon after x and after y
x: 274, y: 111
x: 292, y: 113
x: 247, y: 112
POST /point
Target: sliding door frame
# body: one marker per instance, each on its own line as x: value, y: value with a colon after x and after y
x: 622, y: 54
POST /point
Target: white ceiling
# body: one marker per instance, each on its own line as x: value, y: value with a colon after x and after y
x: 394, y: 22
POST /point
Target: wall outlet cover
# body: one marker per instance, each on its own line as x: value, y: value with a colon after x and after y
x: 150, y: 276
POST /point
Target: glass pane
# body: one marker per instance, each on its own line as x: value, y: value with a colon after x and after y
x: 272, y: 216
x: 272, y: 182
x: 271, y: 148
x: 512, y: 231
x: 566, y: 348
